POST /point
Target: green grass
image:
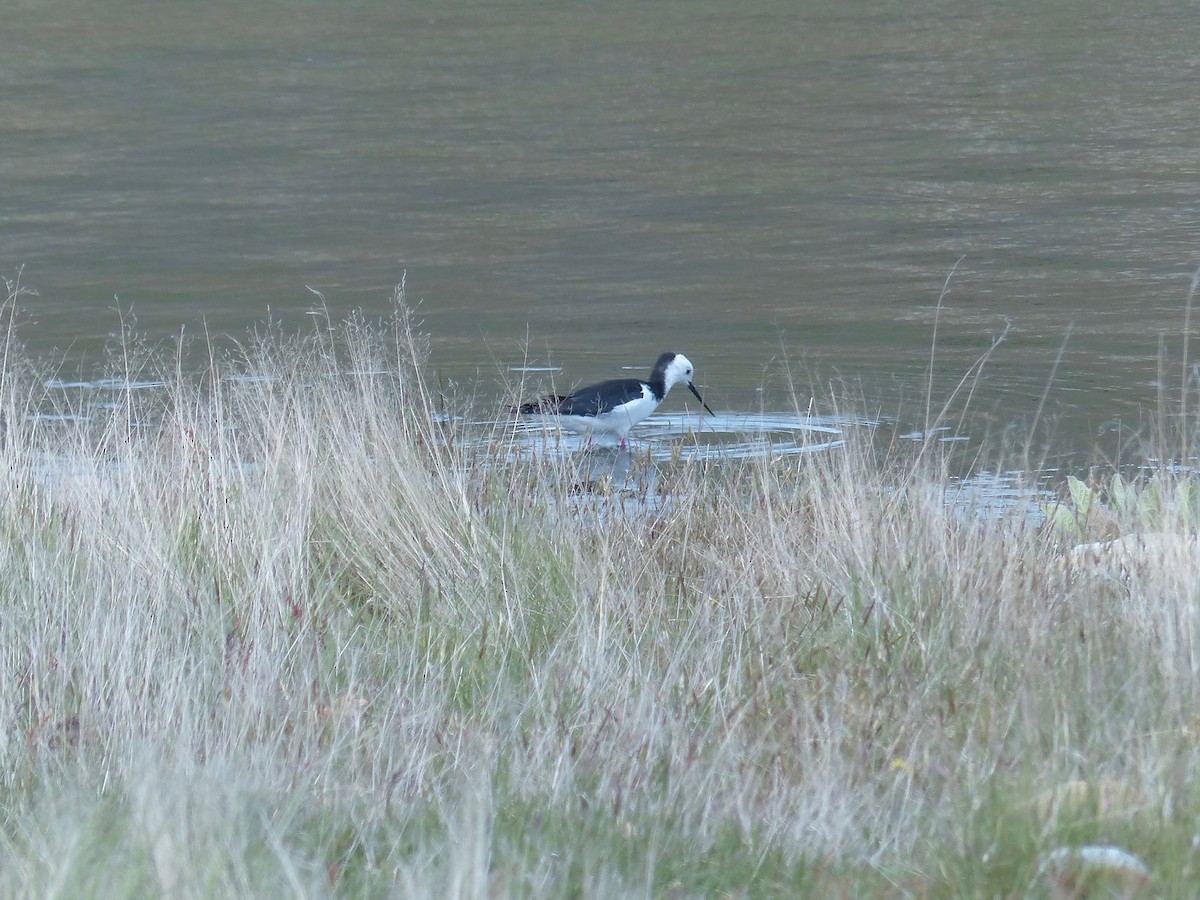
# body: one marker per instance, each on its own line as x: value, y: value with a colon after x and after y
x: 293, y: 636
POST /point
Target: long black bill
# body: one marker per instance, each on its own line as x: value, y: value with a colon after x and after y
x: 692, y: 388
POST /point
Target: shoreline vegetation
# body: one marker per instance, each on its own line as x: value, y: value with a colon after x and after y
x: 274, y: 630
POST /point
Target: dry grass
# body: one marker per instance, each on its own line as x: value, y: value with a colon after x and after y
x: 287, y: 635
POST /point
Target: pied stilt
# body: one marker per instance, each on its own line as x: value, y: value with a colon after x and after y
x: 612, y: 407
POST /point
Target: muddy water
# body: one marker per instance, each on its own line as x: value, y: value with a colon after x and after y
x: 779, y: 189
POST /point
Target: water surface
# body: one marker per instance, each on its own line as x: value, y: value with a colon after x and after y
x: 779, y: 189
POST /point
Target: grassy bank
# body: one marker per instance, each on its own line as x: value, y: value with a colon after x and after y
x: 271, y: 630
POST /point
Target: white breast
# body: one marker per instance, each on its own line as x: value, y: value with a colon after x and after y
x: 616, y: 422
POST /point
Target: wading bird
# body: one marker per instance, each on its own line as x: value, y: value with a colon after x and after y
x: 612, y: 407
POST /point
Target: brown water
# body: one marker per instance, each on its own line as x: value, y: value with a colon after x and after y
x: 592, y: 184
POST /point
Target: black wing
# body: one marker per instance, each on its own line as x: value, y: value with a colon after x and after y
x: 589, y: 401
x: 548, y: 404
